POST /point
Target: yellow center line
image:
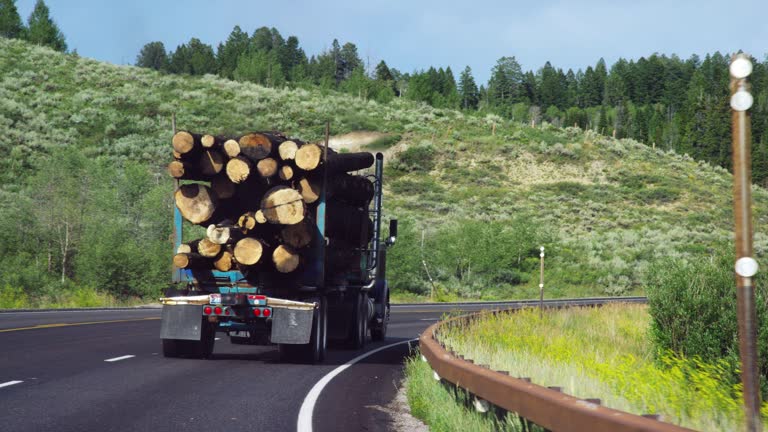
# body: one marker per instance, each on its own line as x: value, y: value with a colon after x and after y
x: 43, y: 326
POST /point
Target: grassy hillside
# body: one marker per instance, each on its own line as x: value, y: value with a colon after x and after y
x: 482, y: 202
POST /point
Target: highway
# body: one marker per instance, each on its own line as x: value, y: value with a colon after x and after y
x: 104, y: 370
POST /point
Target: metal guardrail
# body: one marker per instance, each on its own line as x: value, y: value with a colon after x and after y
x: 546, y: 407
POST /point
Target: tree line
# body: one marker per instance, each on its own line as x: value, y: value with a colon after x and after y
x: 40, y: 28
x: 664, y: 101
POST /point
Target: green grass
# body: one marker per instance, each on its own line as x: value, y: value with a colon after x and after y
x: 69, y: 297
x: 604, y: 353
x: 444, y: 410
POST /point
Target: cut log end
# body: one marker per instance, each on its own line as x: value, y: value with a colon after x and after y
x: 224, y: 261
x: 267, y: 167
x: 259, y: 216
x: 196, y: 202
x: 255, y: 146
x: 239, y: 169
x: 208, y: 248
x: 309, y: 190
x: 231, y: 148
x: 285, y: 172
x: 208, y: 141
x: 176, y: 169
x: 189, y: 260
x: 247, y: 221
x: 183, y: 142
x: 285, y: 259
x: 212, y: 162
x: 287, y: 150
x: 308, y: 156
x: 248, y: 251
x: 283, y: 205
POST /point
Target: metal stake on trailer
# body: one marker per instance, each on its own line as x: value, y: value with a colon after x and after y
x: 745, y: 266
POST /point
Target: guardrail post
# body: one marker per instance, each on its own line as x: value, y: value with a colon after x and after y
x: 541, y: 284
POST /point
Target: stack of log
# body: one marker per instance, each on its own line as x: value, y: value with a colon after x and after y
x: 257, y: 196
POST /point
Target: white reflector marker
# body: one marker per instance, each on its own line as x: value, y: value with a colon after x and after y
x: 10, y: 383
x: 119, y: 358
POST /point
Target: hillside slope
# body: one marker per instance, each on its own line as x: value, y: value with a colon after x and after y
x: 474, y: 205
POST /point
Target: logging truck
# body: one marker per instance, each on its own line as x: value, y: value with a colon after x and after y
x: 291, y: 252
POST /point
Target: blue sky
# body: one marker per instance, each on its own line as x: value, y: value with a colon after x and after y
x: 415, y: 34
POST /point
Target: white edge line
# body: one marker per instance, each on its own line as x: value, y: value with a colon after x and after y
x: 308, y: 406
x: 119, y: 358
x: 10, y: 383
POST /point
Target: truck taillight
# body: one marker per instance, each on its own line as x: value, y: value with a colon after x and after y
x: 257, y: 312
x: 217, y: 310
x: 207, y: 310
x: 267, y: 312
x: 226, y: 311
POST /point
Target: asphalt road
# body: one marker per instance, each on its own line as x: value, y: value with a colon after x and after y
x: 104, y: 371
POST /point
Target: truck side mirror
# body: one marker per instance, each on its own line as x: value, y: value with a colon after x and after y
x: 392, y: 232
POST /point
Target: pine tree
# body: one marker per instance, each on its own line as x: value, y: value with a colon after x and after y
x: 505, y: 86
x: 350, y: 60
x: 201, y: 58
x: 468, y: 91
x: 551, y: 90
x: 382, y: 72
x: 153, y: 56
x: 10, y: 21
x: 229, y: 52
x: 42, y: 30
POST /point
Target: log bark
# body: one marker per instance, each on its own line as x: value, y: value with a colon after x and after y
x: 207, y: 248
x: 283, y: 205
x: 231, y: 148
x: 346, y: 162
x: 224, y: 262
x: 211, y: 163
x: 190, y: 260
x: 348, y: 223
x: 356, y: 190
x: 285, y: 259
x: 239, y: 169
x: 222, y: 186
x: 287, y: 150
x: 267, y: 167
x: 248, y: 251
x: 299, y: 235
x: 196, y: 202
x: 186, y: 143
x: 309, y: 189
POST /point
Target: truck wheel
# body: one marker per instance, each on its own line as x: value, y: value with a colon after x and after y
x: 360, y: 321
x: 192, y: 348
x: 379, y: 331
x: 314, y: 351
x: 171, y: 348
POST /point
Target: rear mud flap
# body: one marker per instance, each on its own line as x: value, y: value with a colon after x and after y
x: 291, y: 326
x: 181, y: 322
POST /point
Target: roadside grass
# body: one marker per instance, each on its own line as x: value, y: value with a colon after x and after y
x: 442, y: 409
x: 17, y: 298
x: 604, y: 353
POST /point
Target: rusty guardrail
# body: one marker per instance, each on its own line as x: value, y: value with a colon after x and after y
x: 543, y: 406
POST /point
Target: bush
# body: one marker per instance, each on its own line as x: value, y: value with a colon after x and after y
x: 693, y: 309
x: 417, y: 158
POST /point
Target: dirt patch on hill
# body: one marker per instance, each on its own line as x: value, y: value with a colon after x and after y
x: 354, y: 141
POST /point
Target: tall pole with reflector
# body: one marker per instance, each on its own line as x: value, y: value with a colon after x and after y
x: 745, y: 266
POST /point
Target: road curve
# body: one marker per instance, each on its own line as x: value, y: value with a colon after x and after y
x: 103, y: 370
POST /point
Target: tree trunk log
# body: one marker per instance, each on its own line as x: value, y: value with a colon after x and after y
x: 207, y: 248
x: 212, y: 142
x: 189, y: 247
x: 260, y: 218
x: 267, y: 167
x: 247, y: 221
x: 285, y: 173
x: 186, y: 143
x: 239, y: 169
x: 287, y: 150
x: 231, y: 148
x: 223, y: 234
x: 184, y: 170
x: 248, y: 251
x: 309, y: 156
x: 346, y: 162
x: 211, y: 163
x: 299, y: 235
x: 348, y: 223
x: 190, y: 260
x: 257, y: 146
x: 283, y: 205
x: 222, y: 187
x: 285, y: 259
x: 196, y: 202
x: 309, y: 189
x: 225, y: 261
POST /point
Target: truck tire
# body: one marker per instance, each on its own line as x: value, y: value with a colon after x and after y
x: 314, y: 351
x: 360, y: 321
x: 379, y: 331
x: 192, y: 348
